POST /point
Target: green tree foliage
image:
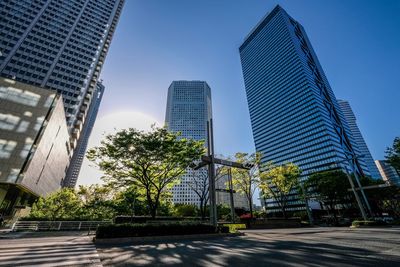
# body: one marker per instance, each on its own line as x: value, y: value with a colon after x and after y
x: 62, y: 204
x: 329, y: 187
x: 96, y: 201
x: 393, y: 154
x: 185, y: 210
x: 87, y: 203
x: 278, y: 182
x: 382, y: 199
x: 151, y: 161
x: 245, y: 182
x: 130, y: 202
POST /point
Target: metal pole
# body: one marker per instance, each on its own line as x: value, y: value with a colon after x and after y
x: 231, y: 194
x: 360, y: 206
x: 211, y: 175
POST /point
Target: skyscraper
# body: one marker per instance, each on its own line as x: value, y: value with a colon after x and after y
x: 188, y: 110
x: 76, y: 162
x: 388, y: 173
x: 60, y: 46
x: 294, y: 114
x: 366, y: 160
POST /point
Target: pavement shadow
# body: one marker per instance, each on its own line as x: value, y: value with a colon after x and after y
x: 240, y: 251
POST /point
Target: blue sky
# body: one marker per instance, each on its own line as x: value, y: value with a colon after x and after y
x: 157, y: 41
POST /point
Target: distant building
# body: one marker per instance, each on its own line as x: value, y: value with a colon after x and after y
x: 188, y: 110
x: 294, y: 114
x: 80, y: 151
x: 359, y: 144
x: 34, y: 145
x: 239, y: 200
x: 388, y: 173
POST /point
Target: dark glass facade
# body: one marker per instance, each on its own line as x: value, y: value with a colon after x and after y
x: 366, y: 161
x: 294, y: 114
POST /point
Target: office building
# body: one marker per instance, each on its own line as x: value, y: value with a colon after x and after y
x: 388, y: 173
x: 294, y: 113
x: 76, y: 162
x: 60, y: 46
x: 224, y: 198
x: 360, y: 146
x: 34, y: 145
x: 188, y: 110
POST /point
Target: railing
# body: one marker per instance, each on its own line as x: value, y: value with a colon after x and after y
x: 57, y: 225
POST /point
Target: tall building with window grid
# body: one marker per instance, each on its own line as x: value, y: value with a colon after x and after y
x: 188, y: 110
x: 366, y: 160
x: 60, y: 46
x: 77, y: 159
x: 294, y: 113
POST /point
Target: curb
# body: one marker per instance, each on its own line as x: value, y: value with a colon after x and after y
x: 142, y: 239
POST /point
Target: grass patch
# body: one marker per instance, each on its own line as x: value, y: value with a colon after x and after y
x: 368, y: 223
x: 234, y: 227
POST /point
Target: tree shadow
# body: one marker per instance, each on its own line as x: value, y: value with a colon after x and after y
x: 241, y: 251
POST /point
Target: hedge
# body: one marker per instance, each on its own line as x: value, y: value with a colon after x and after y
x: 143, y: 219
x: 136, y: 230
x: 368, y: 223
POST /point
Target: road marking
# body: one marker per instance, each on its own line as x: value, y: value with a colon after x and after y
x: 49, y: 252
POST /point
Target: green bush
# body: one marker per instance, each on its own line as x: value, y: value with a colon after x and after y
x: 136, y: 230
x: 368, y: 223
x: 234, y: 227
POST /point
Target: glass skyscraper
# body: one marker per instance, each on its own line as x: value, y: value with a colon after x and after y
x: 294, y: 114
x: 60, y: 46
x: 188, y: 110
x: 366, y: 160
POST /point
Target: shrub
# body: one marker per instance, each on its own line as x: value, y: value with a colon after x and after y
x: 368, y: 223
x: 233, y: 227
x: 136, y: 230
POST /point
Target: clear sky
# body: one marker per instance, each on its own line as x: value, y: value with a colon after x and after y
x: 157, y: 41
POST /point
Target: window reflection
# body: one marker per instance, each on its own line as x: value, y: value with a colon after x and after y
x: 8, y: 121
x: 6, y: 147
x: 19, y: 96
x: 23, y: 127
x: 27, y: 147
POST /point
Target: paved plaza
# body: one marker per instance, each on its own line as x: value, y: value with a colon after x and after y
x: 284, y: 247
x: 48, y: 249
x: 280, y: 247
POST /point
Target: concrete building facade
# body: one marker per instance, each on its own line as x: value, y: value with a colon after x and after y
x: 80, y: 151
x: 34, y: 145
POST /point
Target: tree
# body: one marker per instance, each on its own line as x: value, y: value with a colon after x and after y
x: 198, y: 182
x: 329, y: 187
x: 62, y: 204
x: 185, y: 210
x: 152, y: 161
x: 130, y: 201
x: 393, y: 154
x: 245, y: 182
x: 278, y: 182
x: 96, y: 201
